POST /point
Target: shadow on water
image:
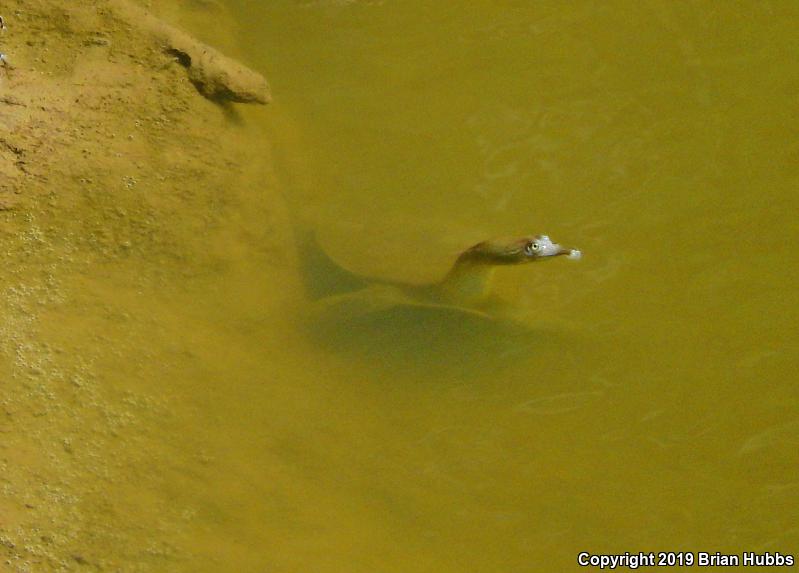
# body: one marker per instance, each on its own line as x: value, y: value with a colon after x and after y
x: 440, y: 342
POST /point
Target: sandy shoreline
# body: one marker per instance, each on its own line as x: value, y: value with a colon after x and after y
x: 104, y: 141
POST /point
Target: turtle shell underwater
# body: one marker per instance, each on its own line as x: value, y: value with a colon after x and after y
x: 453, y: 325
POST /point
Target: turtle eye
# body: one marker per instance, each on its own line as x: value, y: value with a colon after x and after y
x: 532, y: 248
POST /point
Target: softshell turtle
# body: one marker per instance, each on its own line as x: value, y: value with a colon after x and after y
x: 465, y: 289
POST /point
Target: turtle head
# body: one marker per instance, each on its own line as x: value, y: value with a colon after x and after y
x: 516, y: 251
x: 469, y: 277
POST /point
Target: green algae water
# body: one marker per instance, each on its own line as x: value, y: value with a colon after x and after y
x: 650, y: 403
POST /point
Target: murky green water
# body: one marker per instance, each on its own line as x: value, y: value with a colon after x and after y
x: 651, y: 406
x: 658, y: 409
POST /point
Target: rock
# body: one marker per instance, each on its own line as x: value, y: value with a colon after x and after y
x: 216, y: 76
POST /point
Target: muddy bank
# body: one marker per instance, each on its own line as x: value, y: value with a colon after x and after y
x: 119, y: 178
